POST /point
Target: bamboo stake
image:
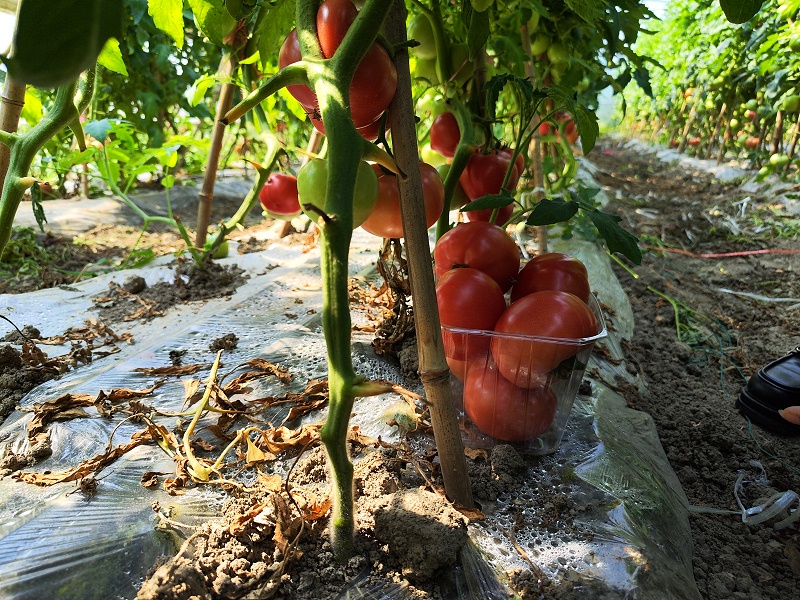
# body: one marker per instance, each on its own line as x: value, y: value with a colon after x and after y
x: 535, y: 148
x: 684, y: 104
x: 688, y: 127
x: 433, y: 368
x: 777, y: 134
x: 715, y: 133
x: 793, y: 145
x: 226, y: 68
x: 13, y: 99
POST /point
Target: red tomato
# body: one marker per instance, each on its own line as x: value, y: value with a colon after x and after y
x: 334, y: 18
x: 547, y: 314
x: 375, y: 79
x: 503, y: 410
x: 482, y: 246
x: 484, y: 174
x: 279, y: 196
x: 503, y: 215
x: 519, y: 162
x: 445, y: 134
x: 571, y: 132
x: 457, y: 367
x: 385, y: 220
x: 552, y: 271
x: 368, y: 132
x: 468, y: 299
x: 290, y: 53
x: 544, y: 128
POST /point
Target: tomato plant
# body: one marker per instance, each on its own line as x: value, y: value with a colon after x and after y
x: 459, y: 198
x: 546, y: 314
x: 385, y: 220
x: 312, y: 184
x: 482, y: 246
x: 468, y: 299
x: 552, y: 271
x: 375, y: 79
x: 279, y: 196
x: 501, y: 409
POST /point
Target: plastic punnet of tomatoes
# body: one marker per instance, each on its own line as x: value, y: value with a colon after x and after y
x: 518, y: 388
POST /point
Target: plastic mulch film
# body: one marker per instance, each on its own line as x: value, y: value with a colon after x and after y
x: 604, y: 512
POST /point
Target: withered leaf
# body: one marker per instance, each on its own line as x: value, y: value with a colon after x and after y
x: 150, y: 479
x: 254, y: 454
x: 87, y: 467
x: 202, y: 445
x: 173, y: 370
x: 239, y: 524
x: 271, y: 483
x: 283, y: 438
x: 120, y: 394
x: 190, y: 391
x: 473, y: 514
x: 284, y: 525
x: 476, y: 454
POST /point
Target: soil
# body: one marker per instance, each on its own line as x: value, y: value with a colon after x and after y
x: 692, y: 382
x: 692, y: 369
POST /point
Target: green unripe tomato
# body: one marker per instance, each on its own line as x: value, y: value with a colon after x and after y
x: 710, y: 104
x: 791, y: 103
x: 533, y: 22
x: 221, y: 251
x: 794, y: 43
x: 420, y: 29
x: 734, y: 124
x: 779, y: 161
x: 764, y: 172
x: 583, y: 85
x: 459, y: 63
x: 431, y: 102
x: 540, y: 43
x: 481, y: 5
x: 459, y: 198
x: 312, y: 181
x: 558, y: 54
x: 431, y: 156
x: 751, y: 104
x: 426, y: 69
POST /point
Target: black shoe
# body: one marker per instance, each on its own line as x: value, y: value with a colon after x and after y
x: 773, y: 388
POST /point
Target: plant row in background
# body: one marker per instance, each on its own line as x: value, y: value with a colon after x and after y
x: 723, y: 89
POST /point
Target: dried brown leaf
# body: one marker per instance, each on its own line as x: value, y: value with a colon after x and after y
x: 173, y: 370
x: 476, y: 454
x: 190, y: 390
x: 150, y: 479
x: 254, y: 454
x: 271, y: 483
x: 239, y: 524
x: 283, y: 438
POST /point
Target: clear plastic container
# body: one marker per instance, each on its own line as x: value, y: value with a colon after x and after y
x: 531, y: 412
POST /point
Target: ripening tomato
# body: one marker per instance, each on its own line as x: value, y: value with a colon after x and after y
x: 484, y: 174
x: 375, y: 79
x: 468, y: 299
x: 544, y: 128
x: 368, y: 132
x: 481, y: 246
x: 504, y: 411
x: 279, y: 196
x: 552, y: 271
x: 312, y: 184
x: 570, y: 132
x: 546, y: 314
x: 385, y: 220
x: 445, y: 134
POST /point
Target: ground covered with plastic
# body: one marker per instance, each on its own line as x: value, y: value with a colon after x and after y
x: 610, y: 514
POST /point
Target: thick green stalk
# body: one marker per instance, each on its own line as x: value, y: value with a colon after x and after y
x: 331, y: 82
x: 24, y: 149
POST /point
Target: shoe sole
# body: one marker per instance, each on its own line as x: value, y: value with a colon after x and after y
x: 764, y: 416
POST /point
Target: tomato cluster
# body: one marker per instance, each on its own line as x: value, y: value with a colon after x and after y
x: 506, y: 358
x: 375, y: 79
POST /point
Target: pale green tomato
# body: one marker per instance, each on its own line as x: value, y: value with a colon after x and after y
x: 420, y: 29
x: 540, y: 43
x: 459, y: 63
x: 791, y: 103
x: 779, y: 160
x: 481, y: 5
x: 533, y: 22
x: 312, y: 183
x: 558, y: 54
x: 430, y: 156
x: 221, y: 251
x: 426, y: 69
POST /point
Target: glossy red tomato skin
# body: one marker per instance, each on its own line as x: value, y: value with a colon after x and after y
x: 484, y: 174
x: 504, y: 411
x: 279, y: 196
x: 503, y: 215
x: 445, y: 134
x: 368, y: 132
x: 289, y: 54
x: 334, y: 18
x: 482, y: 246
x: 375, y: 80
x: 385, y: 220
x: 546, y: 314
x: 468, y: 299
x: 552, y: 271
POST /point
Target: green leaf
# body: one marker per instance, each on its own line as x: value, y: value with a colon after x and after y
x: 548, y: 212
x: 272, y: 25
x: 199, y: 89
x: 617, y: 239
x: 36, y: 204
x: 54, y: 42
x: 587, y: 127
x: 739, y: 11
x: 99, y: 130
x: 111, y: 58
x: 168, y: 17
x: 478, y: 32
x: 504, y: 198
x: 213, y: 20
